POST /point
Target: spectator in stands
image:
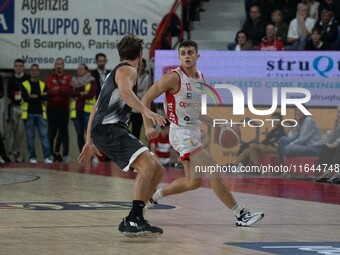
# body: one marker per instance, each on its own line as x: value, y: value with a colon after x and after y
x: 100, y: 72
x: 307, y: 142
x: 313, y: 7
x: 270, y: 42
x: 58, y: 84
x: 329, y: 27
x: 316, y: 43
x: 268, y: 145
x: 3, y: 156
x: 14, y: 86
x: 83, y: 99
x: 300, y: 29
x: 281, y: 27
x: 289, y: 8
x: 256, y: 26
x: 331, y: 5
x: 161, y: 146
x: 33, y: 113
x: 143, y: 85
x: 330, y: 153
x: 241, y: 42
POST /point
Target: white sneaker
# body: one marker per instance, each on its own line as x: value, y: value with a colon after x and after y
x: 48, y: 161
x: 150, y: 204
x: 2, y: 161
x: 247, y: 218
x: 33, y: 160
x: 95, y: 160
x: 66, y: 159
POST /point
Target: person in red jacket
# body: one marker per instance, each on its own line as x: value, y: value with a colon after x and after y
x: 161, y: 146
x: 271, y: 41
x: 58, y: 84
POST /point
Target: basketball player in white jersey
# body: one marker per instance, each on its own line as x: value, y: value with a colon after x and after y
x: 108, y: 133
x: 183, y: 89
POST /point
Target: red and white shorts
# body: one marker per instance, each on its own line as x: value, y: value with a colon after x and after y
x: 185, y: 140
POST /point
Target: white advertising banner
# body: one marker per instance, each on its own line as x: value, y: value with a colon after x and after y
x: 260, y: 73
x: 38, y: 31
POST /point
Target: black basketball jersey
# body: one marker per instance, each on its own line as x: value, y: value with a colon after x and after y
x: 111, y: 108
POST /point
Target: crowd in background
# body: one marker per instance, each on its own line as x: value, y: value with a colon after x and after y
x: 289, y: 25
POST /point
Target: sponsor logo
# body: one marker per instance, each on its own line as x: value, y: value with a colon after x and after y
x: 6, y: 16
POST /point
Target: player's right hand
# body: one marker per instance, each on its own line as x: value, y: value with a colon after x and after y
x: 151, y: 133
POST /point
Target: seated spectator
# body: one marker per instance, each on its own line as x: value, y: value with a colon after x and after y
x: 256, y: 26
x: 300, y: 29
x: 281, y: 27
x: 83, y: 99
x: 315, y: 43
x: 289, y: 8
x: 270, y: 42
x: 161, y: 146
x: 330, y: 153
x: 313, y: 7
x: 331, y: 5
x: 328, y: 26
x: 268, y: 145
x: 241, y: 42
x: 307, y: 142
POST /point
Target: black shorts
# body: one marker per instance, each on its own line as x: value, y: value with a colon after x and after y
x: 118, y: 144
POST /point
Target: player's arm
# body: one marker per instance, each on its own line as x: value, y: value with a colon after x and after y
x: 89, y: 150
x: 167, y: 83
x: 126, y: 78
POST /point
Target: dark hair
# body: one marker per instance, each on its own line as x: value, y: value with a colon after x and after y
x: 316, y: 29
x: 35, y: 65
x: 144, y: 62
x: 19, y: 60
x: 85, y: 66
x: 100, y: 54
x: 188, y: 43
x: 239, y: 32
x: 129, y: 47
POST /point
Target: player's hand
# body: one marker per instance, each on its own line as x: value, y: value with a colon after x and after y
x: 89, y: 150
x: 155, y: 118
x: 151, y: 133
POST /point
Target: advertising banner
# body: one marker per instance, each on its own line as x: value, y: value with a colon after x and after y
x: 39, y: 31
x: 264, y: 76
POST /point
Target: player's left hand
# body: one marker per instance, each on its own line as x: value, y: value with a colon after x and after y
x: 151, y: 133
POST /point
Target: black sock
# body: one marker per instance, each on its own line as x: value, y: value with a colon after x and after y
x: 137, y: 209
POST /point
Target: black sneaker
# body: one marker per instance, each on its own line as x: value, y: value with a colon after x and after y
x: 138, y: 228
x: 247, y: 218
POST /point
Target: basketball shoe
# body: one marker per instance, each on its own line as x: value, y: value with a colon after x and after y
x: 247, y: 218
x: 138, y: 228
x: 151, y: 204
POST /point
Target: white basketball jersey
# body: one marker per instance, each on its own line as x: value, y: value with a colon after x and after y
x: 184, y: 106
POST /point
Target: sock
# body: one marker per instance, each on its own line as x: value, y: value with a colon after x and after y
x: 137, y: 210
x: 157, y: 195
x: 236, y: 210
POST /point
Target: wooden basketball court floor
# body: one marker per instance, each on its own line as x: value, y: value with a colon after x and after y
x: 68, y: 209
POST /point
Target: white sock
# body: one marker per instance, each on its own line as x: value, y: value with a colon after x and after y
x: 157, y: 195
x: 236, y: 210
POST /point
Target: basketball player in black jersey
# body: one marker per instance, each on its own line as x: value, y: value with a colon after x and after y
x: 108, y: 133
